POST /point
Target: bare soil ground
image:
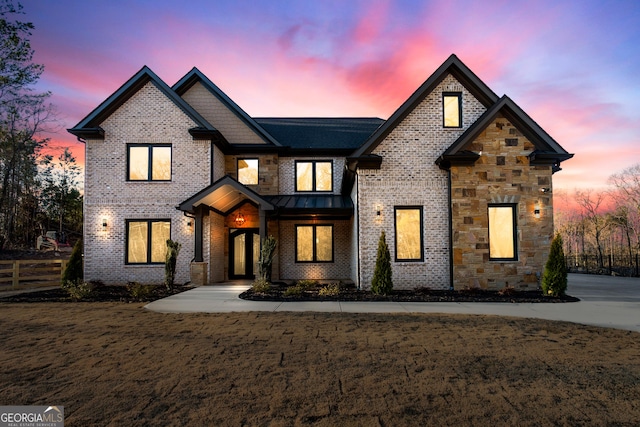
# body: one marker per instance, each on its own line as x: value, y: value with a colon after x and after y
x: 117, y: 364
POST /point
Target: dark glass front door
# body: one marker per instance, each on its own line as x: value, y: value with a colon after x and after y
x: 244, y: 250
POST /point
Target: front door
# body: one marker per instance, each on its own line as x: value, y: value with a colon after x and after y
x: 244, y: 250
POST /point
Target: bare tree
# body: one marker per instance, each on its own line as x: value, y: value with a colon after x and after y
x: 592, y: 204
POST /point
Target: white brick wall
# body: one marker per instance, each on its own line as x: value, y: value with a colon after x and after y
x: 409, y: 176
x: 147, y: 117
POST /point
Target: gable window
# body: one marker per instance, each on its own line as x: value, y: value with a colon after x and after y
x: 314, y: 176
x: 502, y: 232
x: 147, y: 241
x: 409, y: 237
x: 248, y: 171
x: 314, y: 243
x: 147, y: 162
x: 452, y: 109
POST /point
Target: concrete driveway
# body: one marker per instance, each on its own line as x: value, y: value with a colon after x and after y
x: 606, y: 301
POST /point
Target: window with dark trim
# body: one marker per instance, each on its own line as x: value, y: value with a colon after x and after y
x: 314, y: 175
x: 409, y: 235
x: 314, y: 243
x: 148, y: 162
x: 248, y: 171
x: 452, y: 109
x: 502, y: 232
x: 146, y: 240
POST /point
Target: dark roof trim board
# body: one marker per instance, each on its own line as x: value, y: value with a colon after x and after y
x: 548, y: 151
x: 195, y: 75
x: 452, y: 66
x: 90, y: 125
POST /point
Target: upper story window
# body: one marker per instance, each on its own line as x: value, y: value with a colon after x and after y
x: 248, y: 171
x: 502, y: 232
x: 408, y: 227
x: 314, y: 175
x: 452, y: 109
x: 149, y: 162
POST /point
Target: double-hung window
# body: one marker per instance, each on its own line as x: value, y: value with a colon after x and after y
x: 147, y: 240
x: 314, y: 175
x: 314, y: 243
x: 502, y: 232
x: 248, y: 171
x: 148, y: 162
x: 409, y: 236
x: 452, y: 109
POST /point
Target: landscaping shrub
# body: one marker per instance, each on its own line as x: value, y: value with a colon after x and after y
x: 78, y: 290
x: 139, y: 291
x: 173, y: 249
x: 261, y: 285
x: 554, y: 278
x: 306, y: 284
x: 73, y: 272
x: 382, y: 282
x: 331, y: 289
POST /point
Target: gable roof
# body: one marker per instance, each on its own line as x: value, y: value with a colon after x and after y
x: 321, y: 133
x: 89, y: 127
x: 194, y: 76
x: 452, y: 66
x: 548, y: 151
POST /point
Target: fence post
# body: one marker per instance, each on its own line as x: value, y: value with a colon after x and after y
x: 16, y: 274
x: 609, y: 256
x: 637, y: 270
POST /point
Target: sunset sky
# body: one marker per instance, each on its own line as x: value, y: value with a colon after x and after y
x: 573, y: 66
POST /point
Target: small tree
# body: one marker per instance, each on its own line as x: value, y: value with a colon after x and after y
x: 554, y: 278
x: 382, y: 283
x: 265, y: 261
x: 173, y: 249
x: 73, y: 272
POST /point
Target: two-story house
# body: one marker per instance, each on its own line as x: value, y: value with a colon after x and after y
x: 459, y: 179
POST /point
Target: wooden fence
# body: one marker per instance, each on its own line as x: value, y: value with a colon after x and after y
x: 16, y: 274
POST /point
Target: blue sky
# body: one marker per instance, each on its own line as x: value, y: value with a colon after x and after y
x: 571, y: 65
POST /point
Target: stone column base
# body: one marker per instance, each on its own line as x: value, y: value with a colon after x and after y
x: 199, y: 273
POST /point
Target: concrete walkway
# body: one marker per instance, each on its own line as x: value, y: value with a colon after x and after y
x: 606, y: 301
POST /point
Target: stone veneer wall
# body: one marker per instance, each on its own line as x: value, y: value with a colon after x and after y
x: 501, y: 175
x: 409, y: 176
x: 267, y: 172
x: 147, y: 117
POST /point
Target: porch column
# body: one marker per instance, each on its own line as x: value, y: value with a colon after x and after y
x: 199, y: 211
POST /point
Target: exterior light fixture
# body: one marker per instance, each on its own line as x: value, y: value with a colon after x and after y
x: 378, y: 210
x: 104, y: 223
x: 239, y: 219
x: 536, y: 210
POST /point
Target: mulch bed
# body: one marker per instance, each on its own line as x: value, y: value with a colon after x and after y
x: 101, y: 293
x: 276, y: 293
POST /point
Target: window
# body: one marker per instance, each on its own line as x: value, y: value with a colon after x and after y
x: 248, y: 171
x: 314, y: 176
x: 452, y: 109
x: 149, y: 162
x: 502, y: 232
x: 147, y: 241
x: 408, y: 225
x: 314, y: 243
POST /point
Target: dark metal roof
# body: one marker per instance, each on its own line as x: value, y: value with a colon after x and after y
x: 320, y: 133
x: 312, y: 204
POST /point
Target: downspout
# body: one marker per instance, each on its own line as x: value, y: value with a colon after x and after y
x: 450, y: 230
x: 357, y: 213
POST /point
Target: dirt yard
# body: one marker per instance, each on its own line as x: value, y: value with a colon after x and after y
x: 116, y: 364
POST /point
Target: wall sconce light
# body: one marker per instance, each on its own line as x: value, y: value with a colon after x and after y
x: 536, y: 210
x: 239, y: 219
x: 545, y: 189
x: 104, y: 224
x: 378, y: 210
x: 189, y: 223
